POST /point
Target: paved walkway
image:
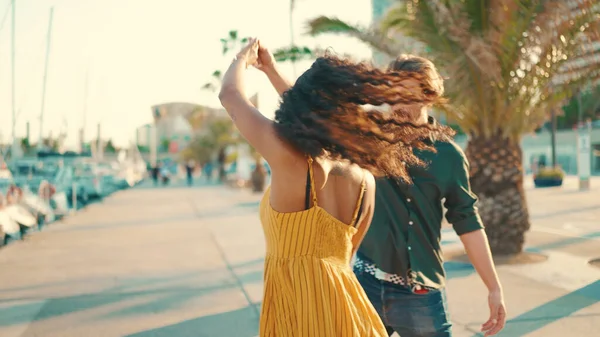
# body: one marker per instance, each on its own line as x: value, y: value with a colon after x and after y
x: 188, y: 262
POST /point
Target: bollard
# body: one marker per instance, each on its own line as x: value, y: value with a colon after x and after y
x: 74, y: 196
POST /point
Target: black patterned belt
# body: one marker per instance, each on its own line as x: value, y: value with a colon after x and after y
x: 371, y: 268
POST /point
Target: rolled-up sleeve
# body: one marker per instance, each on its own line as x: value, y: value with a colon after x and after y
x: 461, y: 202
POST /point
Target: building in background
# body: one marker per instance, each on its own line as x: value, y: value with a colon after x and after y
x: 174, y: 129
x: 142, y: 135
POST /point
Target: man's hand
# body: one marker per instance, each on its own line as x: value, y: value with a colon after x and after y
x: 497, y: 314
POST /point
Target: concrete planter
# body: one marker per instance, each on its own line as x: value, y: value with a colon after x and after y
x: 547, y: 182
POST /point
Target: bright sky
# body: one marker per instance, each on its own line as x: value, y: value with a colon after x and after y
x: 139, y: 53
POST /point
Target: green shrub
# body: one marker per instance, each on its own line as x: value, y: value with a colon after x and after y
x: 549, y: 173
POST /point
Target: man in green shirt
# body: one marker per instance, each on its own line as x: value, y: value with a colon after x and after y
x: 399, y: 262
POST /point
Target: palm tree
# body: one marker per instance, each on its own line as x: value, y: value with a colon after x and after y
x: 508, y: 63
x: 215, y: 81
x: 231, y: 42
x: 292, y: 33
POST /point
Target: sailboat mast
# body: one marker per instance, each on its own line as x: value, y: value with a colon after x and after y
x: 84, y: 119
x: 12, y: 46
x: 45, y: 75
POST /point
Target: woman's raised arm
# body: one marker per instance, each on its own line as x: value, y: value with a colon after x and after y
x: 258, y: 130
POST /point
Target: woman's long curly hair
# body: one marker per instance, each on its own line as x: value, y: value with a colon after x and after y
x: 324, y: 114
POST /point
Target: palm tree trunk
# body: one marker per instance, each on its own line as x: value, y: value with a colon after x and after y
x: 496, y: 170
x: 259, y: 175
x: 221, y: 163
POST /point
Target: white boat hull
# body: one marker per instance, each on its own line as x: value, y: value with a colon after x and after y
x: 19, y: 214
x: 9, y: 225
x: 62, y: 204
x: 38, y: 204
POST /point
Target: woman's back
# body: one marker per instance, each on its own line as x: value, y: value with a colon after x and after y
x: 329, y: 203
x: 337, y: 187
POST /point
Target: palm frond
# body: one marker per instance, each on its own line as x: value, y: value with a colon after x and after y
x: 374, y: 38
x: 295, y: 53
x: 209, y: 87
x: 503, y: 57
x: 508, y: 62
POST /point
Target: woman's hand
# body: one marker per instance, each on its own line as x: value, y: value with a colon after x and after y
x: 266, y: 60
x: 249, y: 54
x: 267, y: 64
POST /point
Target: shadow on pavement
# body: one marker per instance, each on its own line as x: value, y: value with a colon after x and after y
x: 566, y: 242
x: 150, y: 296
x: 240, y: 323
x: 552, y: 311
x: 455, y: 269
x: 154, y: 300
x: 563, y: 212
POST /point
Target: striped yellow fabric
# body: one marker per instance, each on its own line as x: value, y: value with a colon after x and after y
x: 310, y: 289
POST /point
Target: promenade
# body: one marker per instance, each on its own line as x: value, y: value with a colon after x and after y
x: 178, y: 261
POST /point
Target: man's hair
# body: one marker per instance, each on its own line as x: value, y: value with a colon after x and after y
x: 421, y: 65
x: 324, y: 114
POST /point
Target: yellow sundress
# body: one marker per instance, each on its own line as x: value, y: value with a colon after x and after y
x: 309, y: 287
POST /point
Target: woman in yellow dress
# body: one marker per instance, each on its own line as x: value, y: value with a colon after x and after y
x: 323, y: 148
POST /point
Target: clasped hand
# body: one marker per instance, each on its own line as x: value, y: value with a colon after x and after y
x: 257, y: 55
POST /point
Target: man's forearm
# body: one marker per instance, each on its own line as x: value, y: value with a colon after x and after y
x: 478, y: 250
x: 280, y: 83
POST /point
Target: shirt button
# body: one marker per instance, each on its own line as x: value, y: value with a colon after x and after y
x: 410, y: 223
x: 408, y: 199
x: 409, y: 248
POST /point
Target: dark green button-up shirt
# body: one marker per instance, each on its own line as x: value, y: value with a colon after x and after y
x: 405, y: 232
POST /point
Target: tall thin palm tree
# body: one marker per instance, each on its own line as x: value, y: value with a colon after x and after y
x: 508, y: 64
x: 292, y: 33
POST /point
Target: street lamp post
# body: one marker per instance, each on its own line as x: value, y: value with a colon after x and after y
x: 553, y: 137
x: 583, y: 148
x: 153, y: 145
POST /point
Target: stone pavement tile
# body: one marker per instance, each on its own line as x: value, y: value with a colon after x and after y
x: 585, y: 246
x: 561, y: 270
x: 241, y: 239
x: 582, y: 323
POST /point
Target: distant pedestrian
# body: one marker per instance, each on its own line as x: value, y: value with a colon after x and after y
x: 155, y: 172
x: 165, y: 175
x: 208, y: 171
x: 189, y: 170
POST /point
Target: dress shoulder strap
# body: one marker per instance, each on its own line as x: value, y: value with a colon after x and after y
x: 359, y: 202
x: 311, y: 174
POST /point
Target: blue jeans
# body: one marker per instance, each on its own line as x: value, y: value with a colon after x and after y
x: 407, y: 313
